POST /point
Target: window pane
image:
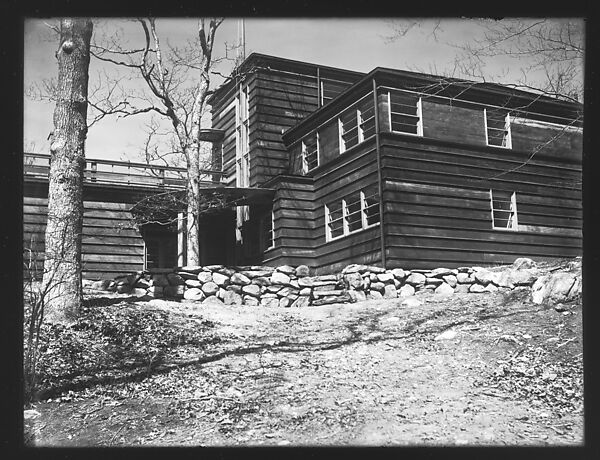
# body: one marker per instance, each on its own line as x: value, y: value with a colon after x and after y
x: 336, y: 223
x: 353, y: 212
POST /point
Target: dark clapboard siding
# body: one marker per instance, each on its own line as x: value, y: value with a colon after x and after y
x: 110, y: 245
x: 438, y: 211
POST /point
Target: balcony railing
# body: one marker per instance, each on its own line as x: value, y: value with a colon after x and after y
x: 110, y: 172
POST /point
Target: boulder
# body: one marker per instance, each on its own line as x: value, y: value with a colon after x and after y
x: 491, y: 288
x: 477, y: 288
x: 220, y: 279
x: 357, y: 296
x: 319, y: 287
x: 269, y: 302
x: 433, y: 281
x: 302, y: 271
x: 193, y: 269
x: 251, y: 301
x: 552, y: 288
x: 287, y: 291
x: 441, y: 272
x: 306, y: 291
x: 411, y: 302
x: 251, y: 289
x: 194, y: 294
x: 377, y: 286
x: 225, y: 271
x: 451, y: 280
x: 462, y: 288
x: 523, y: 262
x: 123, y: 287
x: 326, y: 278
x: 374, y: 269
x: 301, y: 301
x: 139, y: 292
x: 355, y: 268
x: 444, y: 289
x: 327, y: 300
x: 390, y: 292
x: 353, y: 280
x: 188, y: 276
x: 205, y: 277
x: 286, y: 269
x: 464, y: 278
x: 232, y: 298
x: 399, y: 274
x: 385, y: 277
x: 175, y: 280
x: 210, y: 288
x: 261, y: 281
x: 193, y: 283
x: 406, y: 291
x: 256, y: 273
x: 214, y: 268
x: 238, y: 278
x: 213, y: 299
x: 234, y: 288
x: 486, y: 277
x: 285, y: 302
x: 416, y: 279
x: 280, y: 278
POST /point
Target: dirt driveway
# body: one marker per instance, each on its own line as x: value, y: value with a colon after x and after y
x: 489, y: 369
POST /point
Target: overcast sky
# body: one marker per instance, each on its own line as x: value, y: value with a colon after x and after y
x: 355, y: 44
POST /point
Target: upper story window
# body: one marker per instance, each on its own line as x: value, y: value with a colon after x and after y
x: 356, y: 211
x: 242, y: 136
x: 497, y: 128
x: 405, y: 113
x: 356, y: 124
x: 504, y: 210
x: 310, y: 153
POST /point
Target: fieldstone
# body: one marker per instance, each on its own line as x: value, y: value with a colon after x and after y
x: 288, y: 270
x: 524, y: 277
x: 523, y: 262
x: 214, y: 268
x: 287, y: 291
x: 354, y: 268
x: 175, y: 280
x: 353, y: 280
x: 554, y: 287
x: 251, y: 301
x: 385, y: 277
x: 491, y: 288
x: 188, y: 276
x: 251, y: 289
x: 225, y: 271
x: 486, y: 277
x: 271, y: 289
x: 374, y: 295
x: 390, y: 292
x: 193, y: 269
x: 327, y: 300
x: 220, y: 280
x: 210, y: 288
x: 397, y: 283
x: 238, y: 278
x: 374, y: 269
x: 261, y: 281
x: 433, y: 281
x: 360, y: 296
x: 444, y: 289
x: 234, y: 288
x: 440, y: 272
x: 464, y: 269
x: 142, y: 283
x: 476, y: 288
x: 193, y: 283
x: 451, y: 280
x: 255, y: 273
x: 213, y: 299
x: 399, y: 274
x: 155, y: 291
x: 294, y: 284
x: 406, y: 291
x: 174, y: 291
x: 373, y: 277
x: 377, y: 287
x: 318, y: 287
x: 205, y: 277
x: 139, y: 292
x: 269, y: 302
x: 193, y: 294
x: 305, y: 291
x: 301, y: 301
x: 411, y: 302
x: 447, y: 335
x: 285, y: 302
x: 302, y: 271
x: 416, y: 279
x: 123, y: 287
x: 232, y: 298
x: 280, y: 278
x: 464, y: 278
x: 462, y: 288
x: 325, y: 278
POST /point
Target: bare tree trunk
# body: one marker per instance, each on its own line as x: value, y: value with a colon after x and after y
x: 62, y: 265
x: 193, y: 205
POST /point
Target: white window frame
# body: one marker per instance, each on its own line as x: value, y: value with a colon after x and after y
x: 341, y: 141
x: 361, y: 135
x: 419, y: 115
x: 272, y: 240
x: 507, y: 126
x: 242, y: 135
x: 513, y: 214
x: 345, y: 223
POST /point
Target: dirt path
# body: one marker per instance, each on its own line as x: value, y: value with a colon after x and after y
x: 371, y: 373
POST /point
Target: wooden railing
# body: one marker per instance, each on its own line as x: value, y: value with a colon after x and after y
x: 97, y: 171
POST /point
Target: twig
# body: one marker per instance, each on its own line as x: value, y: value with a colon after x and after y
x: 564, y: 343
x: 115, y: 435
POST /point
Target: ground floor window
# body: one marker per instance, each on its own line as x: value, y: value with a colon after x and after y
x: 504, y: 210
x: 160, y: 248
x: 356, y: 211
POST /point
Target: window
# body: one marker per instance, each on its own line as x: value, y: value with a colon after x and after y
x: 356, y: 211
x: 357, y: 124
x: 405, y: 113
x: 504, y: 210
x: 269, y: 230
x: 160, y: 247
x: 310, y: 153
x: 497, y: 128
x: 242, y: 139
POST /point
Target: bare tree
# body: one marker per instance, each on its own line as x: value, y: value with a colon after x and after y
x: 177, y: 85
x: 62, y: 262
x: 548, y: 52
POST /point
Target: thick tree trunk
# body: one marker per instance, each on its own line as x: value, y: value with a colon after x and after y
x: 193, y: 206
x: 62, y: 265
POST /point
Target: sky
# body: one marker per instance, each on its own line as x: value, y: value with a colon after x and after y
x: 354, y: 44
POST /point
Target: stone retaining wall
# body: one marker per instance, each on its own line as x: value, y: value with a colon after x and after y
x: 286, y: 286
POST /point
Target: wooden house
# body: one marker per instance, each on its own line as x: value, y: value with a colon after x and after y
x: 327, y: 167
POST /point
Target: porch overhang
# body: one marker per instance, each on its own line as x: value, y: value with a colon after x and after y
x: 239, y: 196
